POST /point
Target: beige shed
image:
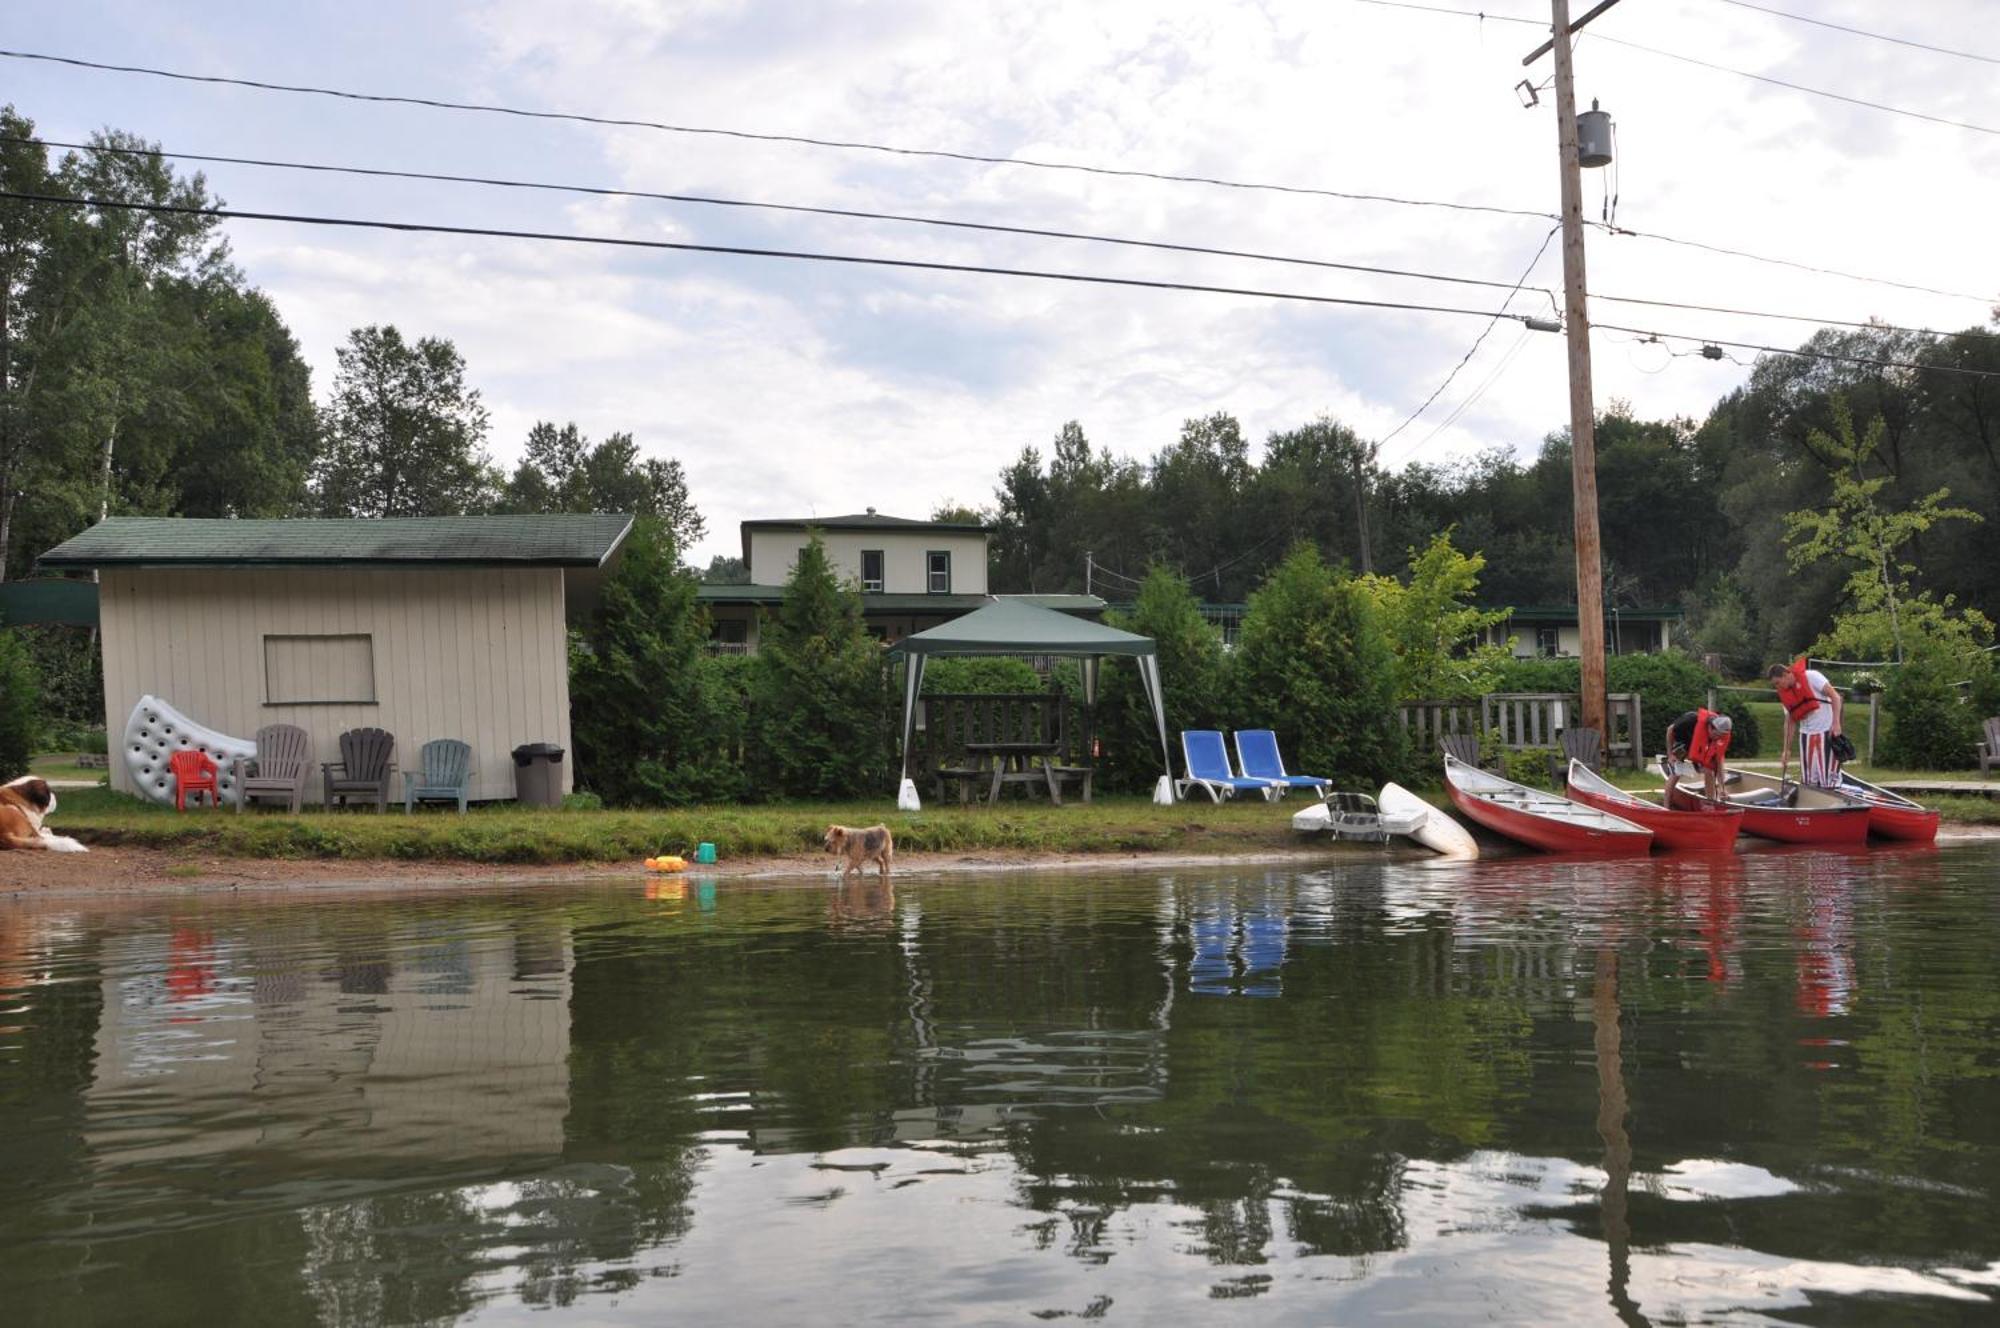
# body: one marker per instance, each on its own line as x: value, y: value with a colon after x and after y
x: 429, y: 627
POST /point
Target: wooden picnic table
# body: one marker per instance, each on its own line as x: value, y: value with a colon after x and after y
x: 1018, y: 763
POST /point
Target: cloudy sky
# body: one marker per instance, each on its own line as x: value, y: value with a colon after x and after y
x: 789, y: 388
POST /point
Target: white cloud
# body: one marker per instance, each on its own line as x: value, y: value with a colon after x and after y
x: 786, y: 385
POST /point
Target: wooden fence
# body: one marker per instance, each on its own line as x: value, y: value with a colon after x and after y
x: 1526, y: 721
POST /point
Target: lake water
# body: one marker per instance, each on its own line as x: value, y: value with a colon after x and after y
x: 1759, y: 1088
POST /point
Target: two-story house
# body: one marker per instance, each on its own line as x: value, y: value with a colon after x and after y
x: 912, y: 574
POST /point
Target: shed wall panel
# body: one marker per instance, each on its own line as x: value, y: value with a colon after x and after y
x: 472, y: 653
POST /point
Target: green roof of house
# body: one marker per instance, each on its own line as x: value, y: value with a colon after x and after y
x: 903, y: 603
x: 557, y: 540
x: 1567, y: 613
x: 865, y: 521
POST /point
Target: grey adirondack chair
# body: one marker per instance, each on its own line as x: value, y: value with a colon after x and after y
x: 1581, y: 744
x: 1989, y: 751
x: 1462, y: 746
x: 445, y: 774
x: 280, y: 768
x: 363, y: 769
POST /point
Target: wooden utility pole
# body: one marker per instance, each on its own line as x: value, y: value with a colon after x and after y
x: 1582, y: 407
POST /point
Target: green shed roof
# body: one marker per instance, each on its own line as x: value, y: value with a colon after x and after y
x: 1010, y: 627
x: 557, y: 540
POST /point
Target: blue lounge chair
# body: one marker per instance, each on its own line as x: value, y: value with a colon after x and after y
x: 1207, y: 762
x: 1257, y: 757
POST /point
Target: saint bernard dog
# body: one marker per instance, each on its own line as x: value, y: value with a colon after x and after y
x: 24, y: 804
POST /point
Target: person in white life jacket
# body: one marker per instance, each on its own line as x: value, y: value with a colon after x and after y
x: 1701, y: 738
x: 1812, y: 712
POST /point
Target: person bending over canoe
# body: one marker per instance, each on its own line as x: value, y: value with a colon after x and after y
x: 1701, y: 738
x: 1812, y: 711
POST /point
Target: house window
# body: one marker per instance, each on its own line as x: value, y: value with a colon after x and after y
x: 871, y: 571
x: 937, y: 568
x: 319, y: 670
x: 1548, y: 641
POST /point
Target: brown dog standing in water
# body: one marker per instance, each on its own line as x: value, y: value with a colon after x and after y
x: 874, y: 844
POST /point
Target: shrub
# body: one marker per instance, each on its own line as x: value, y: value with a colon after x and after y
x: 1748, y: 737
x: 980, y: 675
x: 1931, y: 727
x: 1433, y: 627
x: 1668, y: 684
x: 1192, y: 676
x: 71, y: 668
x: 821, y: 699
x: 20, y: 705
x: 652, y: 721
x: 1315, y: 665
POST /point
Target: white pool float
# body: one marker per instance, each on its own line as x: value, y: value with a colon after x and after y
x: 1436, y: 831
x: 156, y: 731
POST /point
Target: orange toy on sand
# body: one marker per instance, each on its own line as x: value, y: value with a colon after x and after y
x: 668, y: 863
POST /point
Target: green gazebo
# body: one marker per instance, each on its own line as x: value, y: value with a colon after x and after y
x: 1010, y: 627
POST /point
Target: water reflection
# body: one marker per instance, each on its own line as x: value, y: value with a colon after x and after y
x: 1529, y: 1090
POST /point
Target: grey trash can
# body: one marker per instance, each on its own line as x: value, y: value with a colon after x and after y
x: 537, y: 776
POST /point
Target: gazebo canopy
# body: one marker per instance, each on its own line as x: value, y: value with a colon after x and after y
x: 1008, y: 627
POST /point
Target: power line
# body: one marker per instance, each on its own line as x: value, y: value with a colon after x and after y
x: 1801, y: 87
x: 432, y: 228
x: 1505, y: 363
x: 901, y: 218
x: 1862, y: 32
x: 1789, y: 318
x: 1787, y: 262
x: 1463, y: 13
x: 1797, y: 353
x: 850, y: 145
x: 1705, y: 64
x: 1476, y: 343
x: 712, y: 201
x: 1005, y: 161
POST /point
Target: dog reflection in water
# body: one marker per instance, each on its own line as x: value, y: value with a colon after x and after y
x: 867, y: 904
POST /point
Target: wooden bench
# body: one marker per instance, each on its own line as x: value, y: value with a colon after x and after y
x: 965, y: 776
x: 1080, y: 775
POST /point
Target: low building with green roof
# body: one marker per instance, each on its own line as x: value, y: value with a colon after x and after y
x: 429, y: 627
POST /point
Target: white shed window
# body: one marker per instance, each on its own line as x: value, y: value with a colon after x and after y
x: 319, y: 670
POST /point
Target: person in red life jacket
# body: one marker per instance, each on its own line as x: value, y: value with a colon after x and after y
x: 1812, y: 712
x: 1701, y: 738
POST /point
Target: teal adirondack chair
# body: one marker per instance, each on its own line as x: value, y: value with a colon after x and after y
x: 445, y: 774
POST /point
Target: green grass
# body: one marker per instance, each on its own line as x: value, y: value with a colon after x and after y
x: 507, y: 834
x: 62, y: 765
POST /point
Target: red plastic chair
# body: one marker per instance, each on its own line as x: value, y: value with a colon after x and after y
x: 194, y: 772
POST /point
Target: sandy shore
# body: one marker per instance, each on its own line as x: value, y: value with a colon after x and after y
x: 124, y: 871
x: 143, y: 871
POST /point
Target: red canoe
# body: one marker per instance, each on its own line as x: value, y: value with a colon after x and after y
x: 1792, y: 813
x: 1710, y: 828
x: 1538, y: 818
x: 1891, y: 815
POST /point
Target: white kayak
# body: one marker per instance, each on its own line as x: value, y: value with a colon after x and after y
x: 1433, y: 829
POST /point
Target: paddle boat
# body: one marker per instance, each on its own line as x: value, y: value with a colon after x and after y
x: 1790, y: 813
x: 1891, y: 815
x: 1354, y: 816
x: 1710, y: 828
x: 1538, y: 818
